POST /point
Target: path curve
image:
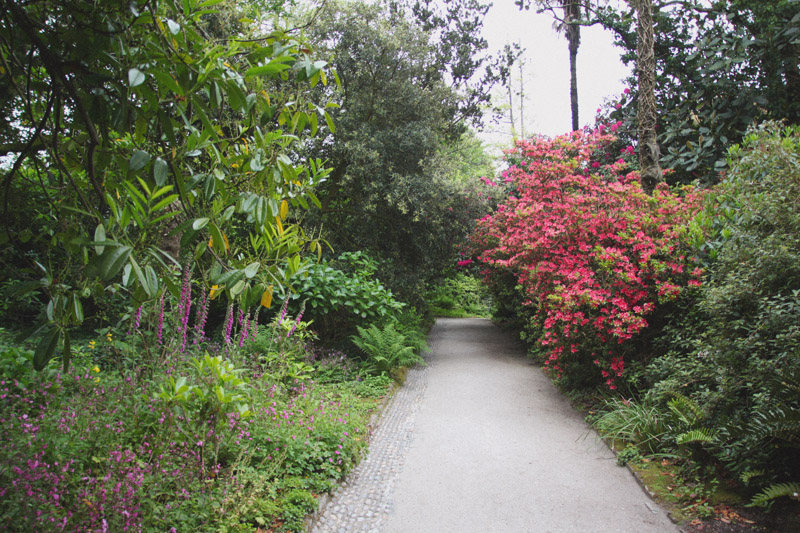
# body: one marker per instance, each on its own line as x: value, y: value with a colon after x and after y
x: 480, y: 441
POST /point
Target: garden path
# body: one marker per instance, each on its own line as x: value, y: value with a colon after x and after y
x: 481, y: 441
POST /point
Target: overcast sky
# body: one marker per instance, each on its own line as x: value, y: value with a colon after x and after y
x: 547, y: 108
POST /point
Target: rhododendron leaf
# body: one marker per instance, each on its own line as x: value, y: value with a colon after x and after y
x: 46, y: 348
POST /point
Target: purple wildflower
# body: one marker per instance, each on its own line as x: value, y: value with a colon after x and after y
x: 245, y: 323
x: 297, y: 320
x: 185, y: 306
x: 229, y: 324
x: 161, y: 319
x: 202, y: 316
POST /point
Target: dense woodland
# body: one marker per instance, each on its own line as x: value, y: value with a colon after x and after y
x: 227, y: 227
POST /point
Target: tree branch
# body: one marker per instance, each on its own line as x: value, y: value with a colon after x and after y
x: 53, y: 66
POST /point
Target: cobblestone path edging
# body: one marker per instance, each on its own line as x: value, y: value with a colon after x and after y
x: 364, y: 499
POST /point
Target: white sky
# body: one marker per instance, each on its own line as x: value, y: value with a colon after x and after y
x: 547, y: 108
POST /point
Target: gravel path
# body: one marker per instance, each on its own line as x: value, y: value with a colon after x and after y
x: 480, y: 441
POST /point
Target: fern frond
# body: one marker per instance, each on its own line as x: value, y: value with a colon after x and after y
x: 696, y: 435
x: 685, y: 409
x: 775, y: 491
x: 788, y: 378
x: 750, y: 474
x: 386, y: 348
x: 777, y: 422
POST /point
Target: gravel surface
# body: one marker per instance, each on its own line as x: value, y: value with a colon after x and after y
x: 481, y: 441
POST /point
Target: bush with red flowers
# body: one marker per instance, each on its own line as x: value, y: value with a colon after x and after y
x: 591, y: 254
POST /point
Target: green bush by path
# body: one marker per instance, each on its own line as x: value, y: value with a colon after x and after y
x: 342, y: 294
x: 460, y: 295
x: 733, y: 348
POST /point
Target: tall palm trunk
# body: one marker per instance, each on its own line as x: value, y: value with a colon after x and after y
x: 646, y: 112
x: 573, y: 84
x: 572, y: 12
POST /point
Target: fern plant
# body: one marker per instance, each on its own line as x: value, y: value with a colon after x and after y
x: 386, y: 349
x: 774, y: 491
x: 688, y: 415
x: 781, y: 425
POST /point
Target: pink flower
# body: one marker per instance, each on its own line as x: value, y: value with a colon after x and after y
x: 627, y: 91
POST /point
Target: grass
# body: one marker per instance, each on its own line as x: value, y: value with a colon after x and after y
x: 454, y: 313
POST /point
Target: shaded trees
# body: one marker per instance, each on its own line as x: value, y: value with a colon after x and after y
x: 408, y: 94
x: 137, y: 138
x: 720, y: 66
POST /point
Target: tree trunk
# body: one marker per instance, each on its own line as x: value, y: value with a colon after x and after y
x: 521, y: 100
x: 646, y: 111
x: 572, y: 15
x: 573, y: 85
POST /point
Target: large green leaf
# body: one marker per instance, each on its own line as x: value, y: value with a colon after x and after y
x: 138, y: 160
x: 160, y: 171
x: 251, y: 270
x: 99, y: 235
x: 135, y: 77
x: 46, y: 348
x: 113, y: 261
x: 269, y: 69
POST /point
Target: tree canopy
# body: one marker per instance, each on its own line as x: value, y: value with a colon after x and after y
x: 408, y: 93
x: 720, y: 67
x: 140, y: 134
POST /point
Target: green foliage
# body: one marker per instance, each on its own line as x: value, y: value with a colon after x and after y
x: 732, y: 349
x: 703, y: 435
x: 149, y: 151
x: 386, y: 349
x: 721, y: 67
x: 773, y: 492
x: 372, y: 386
x: 342, y: 294
x: 633, y: 422
x: 16, y: 364
x: 216, y: 389
x: 414, y: 327
x: 460, y: 293
x: 629, y: 454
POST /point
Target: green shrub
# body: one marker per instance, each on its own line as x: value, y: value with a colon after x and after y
x: 372, y: 386
x: 345, y: 293
x: 386, y: 349
x: 733, y: 346
x: 461, y: 293
x: 636, y: 423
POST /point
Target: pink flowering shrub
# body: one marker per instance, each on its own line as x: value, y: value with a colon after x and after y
x: 590, y: 252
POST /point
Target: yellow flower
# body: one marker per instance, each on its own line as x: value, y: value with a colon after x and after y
x: 214, y: 291
x: 96, y: 369
x: 266, y: 298
x: 92, y: 344
x: 97, y: 380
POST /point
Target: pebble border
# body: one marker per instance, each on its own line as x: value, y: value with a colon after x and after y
x: 364, y: 500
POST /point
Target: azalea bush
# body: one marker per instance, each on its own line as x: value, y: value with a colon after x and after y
x: 591, y: 255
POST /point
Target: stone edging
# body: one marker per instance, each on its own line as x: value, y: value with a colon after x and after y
x: 325, y: 498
